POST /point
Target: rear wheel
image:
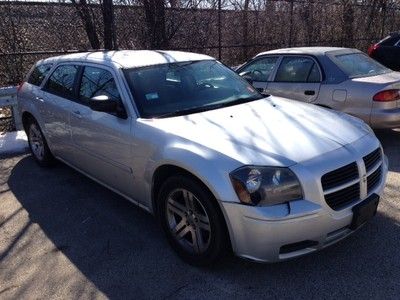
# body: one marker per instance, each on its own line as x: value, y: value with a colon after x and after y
x: 38, y: 145
x: 192, y: 221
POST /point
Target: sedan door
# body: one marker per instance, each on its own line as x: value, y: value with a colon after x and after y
x: 298, y: 78
x: 259, y: 71
x: 102, y: 139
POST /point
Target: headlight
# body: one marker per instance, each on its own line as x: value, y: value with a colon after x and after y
x: 265, y: 186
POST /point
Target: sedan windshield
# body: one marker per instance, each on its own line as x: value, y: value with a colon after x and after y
x: 187, y: 87
x: 360, y: 65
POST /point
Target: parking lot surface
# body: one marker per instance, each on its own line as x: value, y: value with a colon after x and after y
x: 65, y: 236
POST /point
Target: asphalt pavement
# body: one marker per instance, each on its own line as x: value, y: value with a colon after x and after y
x: 65, y: 236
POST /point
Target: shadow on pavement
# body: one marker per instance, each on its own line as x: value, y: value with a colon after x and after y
x: 120, y: 249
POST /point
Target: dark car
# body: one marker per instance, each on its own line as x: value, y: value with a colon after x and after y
x: 387, y: 51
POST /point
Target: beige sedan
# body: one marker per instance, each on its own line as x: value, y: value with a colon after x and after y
x: 343, y: 79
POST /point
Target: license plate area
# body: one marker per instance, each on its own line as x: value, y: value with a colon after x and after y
x: 364, y: 211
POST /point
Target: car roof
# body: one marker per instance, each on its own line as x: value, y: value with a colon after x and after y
x: 317, y: 51
x: 129, y: 58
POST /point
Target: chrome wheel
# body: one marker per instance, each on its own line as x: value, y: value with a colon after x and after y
x: 36, y: 141
x: 188, y: 221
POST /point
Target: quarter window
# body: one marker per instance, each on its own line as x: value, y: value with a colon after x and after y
x: 98, y: 82
x: 61, y: 81
x: 298, y: 69
x: 260, y: 69
x: 38, y: 74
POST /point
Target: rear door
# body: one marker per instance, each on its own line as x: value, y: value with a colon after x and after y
x: 58, y: 98
x: 102, y: 140
x: 297, y: 77
x: 260, y: 71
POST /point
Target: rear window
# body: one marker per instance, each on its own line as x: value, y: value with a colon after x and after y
x: 38, y: 74
x: 360, y: 65
x: 390, y: 40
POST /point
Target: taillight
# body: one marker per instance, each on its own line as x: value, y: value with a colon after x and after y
x: 387, y: 96
x: 372, y: 49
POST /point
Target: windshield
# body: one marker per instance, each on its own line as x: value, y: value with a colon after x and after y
x: 187, y: 87
x: 360, y: 65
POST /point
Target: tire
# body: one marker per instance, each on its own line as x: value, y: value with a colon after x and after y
x: 188, y: 212
x: 38, y: 145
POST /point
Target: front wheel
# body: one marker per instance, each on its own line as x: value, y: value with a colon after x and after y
x: 38, y: 145
x: 192, y: 221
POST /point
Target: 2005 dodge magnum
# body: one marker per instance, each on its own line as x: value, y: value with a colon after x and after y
x: 221, y: 166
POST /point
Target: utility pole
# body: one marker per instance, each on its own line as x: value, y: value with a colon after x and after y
x: 109, y: 28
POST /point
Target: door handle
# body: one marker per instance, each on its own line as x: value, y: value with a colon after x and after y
x: 39, y: 99
x: 309, y: 93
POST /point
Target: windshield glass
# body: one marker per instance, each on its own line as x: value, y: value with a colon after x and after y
x: 187, y: 87
x: 360, y: 65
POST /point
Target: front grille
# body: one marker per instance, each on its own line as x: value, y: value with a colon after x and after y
x: 374, y: 179
x: 340, y: 176
x: 372, y: 159
x: 343, y: 197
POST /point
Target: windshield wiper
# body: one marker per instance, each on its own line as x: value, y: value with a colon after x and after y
x: 207, y: 107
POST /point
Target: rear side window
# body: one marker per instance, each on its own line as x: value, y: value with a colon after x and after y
x: 38, y: 74
x: 98, y: 82
x: 61, y: 81
x: 298, y: 69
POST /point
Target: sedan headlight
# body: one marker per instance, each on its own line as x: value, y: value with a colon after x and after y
x: 265, y: 186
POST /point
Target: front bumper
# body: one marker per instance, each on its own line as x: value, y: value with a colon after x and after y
x: 280, y: 232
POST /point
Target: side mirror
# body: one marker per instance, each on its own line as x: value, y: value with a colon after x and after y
x: 247, y: 75
x: 103, y: 103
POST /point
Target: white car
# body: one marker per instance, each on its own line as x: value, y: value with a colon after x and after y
x: 190, y: 141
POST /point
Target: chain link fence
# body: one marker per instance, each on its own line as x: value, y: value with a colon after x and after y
x: 30, y: 31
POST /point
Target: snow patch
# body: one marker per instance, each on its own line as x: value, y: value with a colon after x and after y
x: 13, y: 142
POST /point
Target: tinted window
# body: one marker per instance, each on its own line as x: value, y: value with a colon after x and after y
x: 187, y: 87
x: 61, y: 81
x: 260, y: 69
x: 360, y: 65
x: 390, y: 40
x: 298, y: 69
x: 38, y: 74
x: 98, y: 82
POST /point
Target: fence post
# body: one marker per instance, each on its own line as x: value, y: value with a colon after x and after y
x: 219, y: 31
x: 291, y: 24
x: 383, y: 19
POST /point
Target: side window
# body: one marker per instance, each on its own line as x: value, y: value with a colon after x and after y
x: 38, y: 74
x: 298, y: 69
x: 261, y: 68
x: 98, y: 82
x: 61, y: 81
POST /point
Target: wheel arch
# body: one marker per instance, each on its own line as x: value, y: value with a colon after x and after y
x: 165, y: 171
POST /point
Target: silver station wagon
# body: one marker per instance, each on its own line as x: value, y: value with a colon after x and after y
x: 220, y: 166
x: 339, y: 78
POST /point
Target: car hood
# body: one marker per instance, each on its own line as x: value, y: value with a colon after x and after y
x: 272, y: 131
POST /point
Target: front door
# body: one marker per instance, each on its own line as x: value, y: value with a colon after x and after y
x: 260, y: 71
x: 103, y: 140
x: 298, y: 78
